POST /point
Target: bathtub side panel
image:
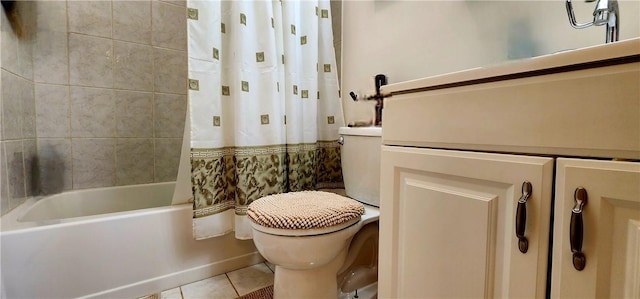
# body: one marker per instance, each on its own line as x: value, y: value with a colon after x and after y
x: 93, y: 257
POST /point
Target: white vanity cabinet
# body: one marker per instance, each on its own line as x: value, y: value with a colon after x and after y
x: 611, y: 229
x: 449, y: 231
x: 485, y: 149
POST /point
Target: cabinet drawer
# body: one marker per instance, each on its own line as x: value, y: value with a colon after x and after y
x: 591, y: 113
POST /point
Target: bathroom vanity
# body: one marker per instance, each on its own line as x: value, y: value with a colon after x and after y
x: 519, y: 180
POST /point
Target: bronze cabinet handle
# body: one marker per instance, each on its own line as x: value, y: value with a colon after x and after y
x: 576, y: 228
x: 521, y: 217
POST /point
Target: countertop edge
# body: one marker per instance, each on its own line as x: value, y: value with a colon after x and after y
x: 614, y: 52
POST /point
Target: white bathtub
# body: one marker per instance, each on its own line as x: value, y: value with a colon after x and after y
x: 118, y: 242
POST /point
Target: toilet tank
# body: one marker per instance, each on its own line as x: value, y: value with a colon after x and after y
x: 360, y: 157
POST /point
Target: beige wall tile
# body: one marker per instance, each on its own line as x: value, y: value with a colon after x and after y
x: 18, y: 111
x: 11, y: 106
x: 176, y: 2
x: 4, y: 182
x: 15, y: 169
x: 132, y: 21
x: 170, y: 71
x: 167, y: 154
x: 50, y: 55
x: 93, y: 162
x: 169, y: 115
x: 134, y: 161
x: 9, y: 44
x: 90, y: 17
x: 27, y: 11
x: 55, y: 165
x: 132, y: 67
x: 169, y: 26
x: 16, y: 46
x: 51, y: 16
x: 1, y: 95
x: 134, y: 114
x: 92, y: 112
x: 51, y: 58
x: 25, y: 57
x: 90, y: 61
x: 28, y: 104
x: 30, y: 156
x: 336, y: 19
x: 52, y: 110
x: 102, y: 50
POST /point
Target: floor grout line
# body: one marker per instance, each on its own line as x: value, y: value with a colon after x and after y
x: 232, y: 285
x: 235, y: 289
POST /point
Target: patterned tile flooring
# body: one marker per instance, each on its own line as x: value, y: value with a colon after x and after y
x: 224, y: 286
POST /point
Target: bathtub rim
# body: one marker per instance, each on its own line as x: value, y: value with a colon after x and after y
x: 10, y: 222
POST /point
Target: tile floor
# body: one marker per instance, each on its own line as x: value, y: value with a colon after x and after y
x: 241, y: 282
x: 224, y: 286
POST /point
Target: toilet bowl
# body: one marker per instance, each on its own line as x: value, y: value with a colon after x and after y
x: 316, y: 240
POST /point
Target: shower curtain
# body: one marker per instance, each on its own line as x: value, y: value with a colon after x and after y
x: 264, y: 106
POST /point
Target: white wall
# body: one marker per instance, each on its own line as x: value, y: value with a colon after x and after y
x: 413, y: 39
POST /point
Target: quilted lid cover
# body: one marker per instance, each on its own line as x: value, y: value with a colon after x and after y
x: 304, y: 210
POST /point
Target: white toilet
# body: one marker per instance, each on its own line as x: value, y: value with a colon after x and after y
x: 313, y: 238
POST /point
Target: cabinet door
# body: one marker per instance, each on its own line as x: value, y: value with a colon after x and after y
x: 447, y: 224
x: 610, y: 234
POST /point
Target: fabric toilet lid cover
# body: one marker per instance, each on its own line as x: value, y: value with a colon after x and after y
x: 304, y: 210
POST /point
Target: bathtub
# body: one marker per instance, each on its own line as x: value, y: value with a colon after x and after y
x: 117, y: 242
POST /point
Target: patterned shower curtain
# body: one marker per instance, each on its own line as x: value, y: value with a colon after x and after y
x: 264, y: 106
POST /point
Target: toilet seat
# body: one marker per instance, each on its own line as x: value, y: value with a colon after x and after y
x: 305, y: 213
x: 303, y: 232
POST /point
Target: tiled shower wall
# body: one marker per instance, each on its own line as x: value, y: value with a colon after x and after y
x: 18, y: 129
x: 93, y: 95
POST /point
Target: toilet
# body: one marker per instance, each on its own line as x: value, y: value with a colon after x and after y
x: 321, y: 243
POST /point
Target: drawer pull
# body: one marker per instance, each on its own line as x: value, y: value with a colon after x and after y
x: 521, y: 217
x: 576, y: 228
